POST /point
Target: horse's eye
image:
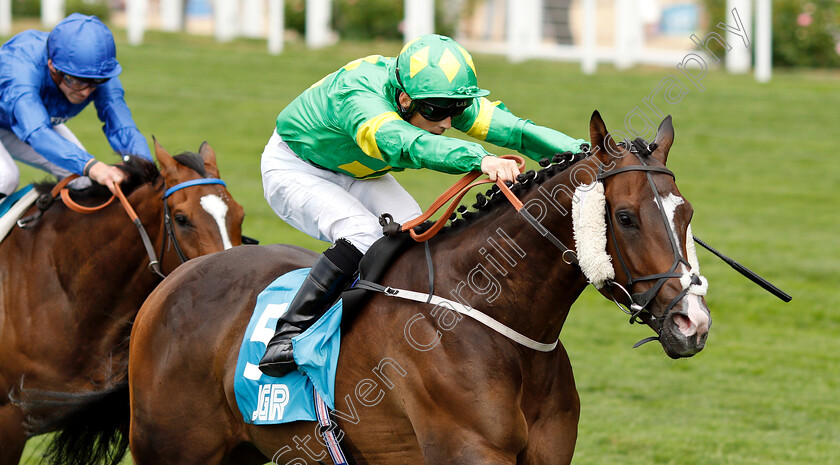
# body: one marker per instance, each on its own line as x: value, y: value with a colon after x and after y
x: 625, y: 220
x: 181, y: 220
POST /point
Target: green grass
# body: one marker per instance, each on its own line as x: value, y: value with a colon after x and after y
x: 758, y: 162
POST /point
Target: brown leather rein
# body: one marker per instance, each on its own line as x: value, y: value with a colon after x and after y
x: 456, y: 193
x: 60, y: 190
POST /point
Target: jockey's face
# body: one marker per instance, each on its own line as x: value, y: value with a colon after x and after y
x: 73, y: 94
x: 417, y: 120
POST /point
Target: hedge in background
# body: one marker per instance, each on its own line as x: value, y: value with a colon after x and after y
x: 32, y: 8
x: 806, y: 33
x: 371, y: 19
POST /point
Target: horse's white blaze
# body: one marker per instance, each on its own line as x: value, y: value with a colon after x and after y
x: 698, y: 313
x: 669, y: 205
x: 217, y: 208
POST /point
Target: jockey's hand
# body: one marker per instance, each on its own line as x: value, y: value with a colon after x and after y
x: 106, y: 175
x: 499, y: 168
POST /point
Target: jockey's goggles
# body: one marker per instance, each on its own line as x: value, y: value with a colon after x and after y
x: 78, y: 83
x: 438, y: 109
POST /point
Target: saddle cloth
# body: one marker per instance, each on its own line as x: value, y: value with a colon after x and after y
x: 13, y: 207
x: 263, y: 399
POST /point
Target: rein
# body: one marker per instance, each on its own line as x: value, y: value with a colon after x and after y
x: 60, y: 190
x: 457, y: 192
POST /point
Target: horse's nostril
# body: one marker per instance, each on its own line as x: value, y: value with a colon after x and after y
x: 684, y: 324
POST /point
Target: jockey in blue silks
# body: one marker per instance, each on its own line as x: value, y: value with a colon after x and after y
x: 48, y: 78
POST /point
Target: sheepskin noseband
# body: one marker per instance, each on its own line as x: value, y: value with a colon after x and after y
x: 589, y: 224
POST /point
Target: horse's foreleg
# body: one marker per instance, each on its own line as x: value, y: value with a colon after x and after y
x: 462, y: 448
x: 551, y: 440
x: 554, y: 407
x: 12, y: 434
x: 446, y: 438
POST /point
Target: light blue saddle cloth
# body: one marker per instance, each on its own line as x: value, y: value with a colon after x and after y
x: 263, y: 399
x: 7, y: 202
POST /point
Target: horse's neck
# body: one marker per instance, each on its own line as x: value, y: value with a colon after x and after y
x: 117, y: 261
x: 503, y: 266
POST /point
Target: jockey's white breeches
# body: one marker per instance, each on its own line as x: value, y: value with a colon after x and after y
x: 12, y: 148
x: 328, y: 205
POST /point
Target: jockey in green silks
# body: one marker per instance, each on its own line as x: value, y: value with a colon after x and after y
x: 325, y: 167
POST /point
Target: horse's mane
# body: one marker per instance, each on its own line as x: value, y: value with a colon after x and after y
x: 140, y: 171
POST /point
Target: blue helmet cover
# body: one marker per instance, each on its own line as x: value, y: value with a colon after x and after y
x: 83, y: 46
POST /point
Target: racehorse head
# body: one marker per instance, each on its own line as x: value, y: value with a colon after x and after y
x: 654, y: 271
x: 204, y: 217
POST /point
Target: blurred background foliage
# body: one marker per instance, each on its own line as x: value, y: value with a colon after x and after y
x: 806, y: 33
x: 32, y: 8
x: 375, y: 19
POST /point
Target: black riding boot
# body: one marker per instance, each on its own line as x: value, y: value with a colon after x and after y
x: 330, y: 274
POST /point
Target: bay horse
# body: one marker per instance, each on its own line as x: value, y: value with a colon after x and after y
x: 71, y: 283
x: 418, y: 383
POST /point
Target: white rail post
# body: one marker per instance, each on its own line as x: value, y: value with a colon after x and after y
x: 253, y: 18
x: 5, y: 17
x: 738, y: 17
x: 524, y: 28
x: 224, y: 19
x: 136, y: 13
x: 171, y: 15
x: 620, y: 44
x: 276, y: 26
x: 628, y: 33
x: 52, y: 12
x: 763, y: 40
x: 419, y: 18
x: 588, y: 43
x: 318, y: 14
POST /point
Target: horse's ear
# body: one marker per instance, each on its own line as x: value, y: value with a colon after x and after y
x: 167, y: 163
x: 597, y: 129
x: 602, y: 143
x: 209, y: 156
x: 664, y: 140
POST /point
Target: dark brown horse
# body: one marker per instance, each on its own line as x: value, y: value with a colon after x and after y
x: 418, y: 383
x: 73, y: 283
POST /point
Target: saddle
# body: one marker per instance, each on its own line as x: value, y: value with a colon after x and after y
x: 373, y: 267
x: 13, y: 207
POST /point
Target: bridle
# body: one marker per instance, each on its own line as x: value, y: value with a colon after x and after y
x: 169, y: 234
x: 638, y: 302
x: 45, y: 201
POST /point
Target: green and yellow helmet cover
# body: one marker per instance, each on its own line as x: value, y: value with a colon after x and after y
x: 434, y: 66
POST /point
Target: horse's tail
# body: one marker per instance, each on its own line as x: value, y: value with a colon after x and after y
x: 91, y: 427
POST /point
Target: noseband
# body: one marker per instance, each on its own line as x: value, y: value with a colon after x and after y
x: 638, y: 302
